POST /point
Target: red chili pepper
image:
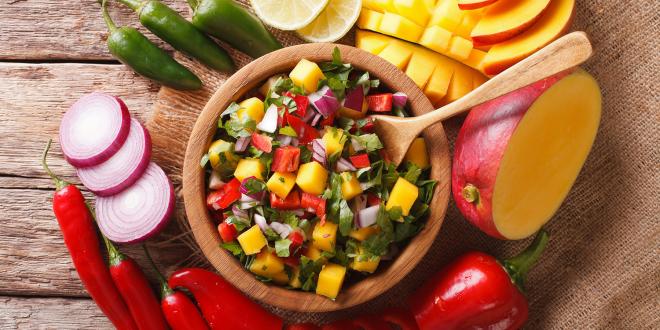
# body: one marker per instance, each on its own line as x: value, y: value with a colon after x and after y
x: 302, y: 326
x: 291, y: 202
x: 79, y: 232
x: 302, y: 102
x: 180, y: 312
x: 401, y: 318
x: 380, y: 102
x: 135, y: 289
x: 477, y: 291
x: 317, y: 203
x: 305, y: 132
x: 227, y: 231
x: 360, y: 161
x: 340, y: 325
x: 223, y: 306
x: 286, y: 159
x: 225, y: 196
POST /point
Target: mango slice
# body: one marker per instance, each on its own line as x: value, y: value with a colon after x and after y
x: 507, y: 18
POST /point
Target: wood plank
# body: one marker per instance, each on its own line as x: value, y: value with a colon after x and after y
x: 51, y: 313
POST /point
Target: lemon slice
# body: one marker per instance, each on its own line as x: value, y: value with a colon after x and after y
x: 333, y: 22
x: 288, y: 14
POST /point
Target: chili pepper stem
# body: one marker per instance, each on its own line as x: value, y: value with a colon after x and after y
x: 114, y: 255
x: 106, y: 17
x: 133, y: 4
x: 59, y: 183
x: 518, y: 266
x: 165, y: 289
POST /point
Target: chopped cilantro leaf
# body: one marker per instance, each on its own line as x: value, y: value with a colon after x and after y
x: 288, y: 131
x: 282, y: 247
x: 370, y: 142
x: 232, y: 247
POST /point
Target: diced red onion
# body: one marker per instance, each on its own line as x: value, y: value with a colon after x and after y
x: 139, y: 211
x: 318, y: 151
x: 354, y: 99
x: 283, y: 229
x: 215, y: 181
x: 358, y: 204
x: 285, y: 140
x: 94, y: 129
x: 261, y: 222
x: 269, y: 122
x: 357, y: 146
x: 324, y: 101
x: 238, y: 212
x: 245, y: 197
x: 399, y: 99
x: 124, y: 167
x: 368, y: 216
x: 242, y: 143
x: 344, y: 165
x: 316, y: 119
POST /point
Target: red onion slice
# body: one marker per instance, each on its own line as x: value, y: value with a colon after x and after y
x: 354, y: 99
x: 399, y: 99
x: 124, y: 167
x: 282, y: 229
x: 324, y: 101
x: 344, y: 165
x: 261, y: 222
x: 215, y: 181
x: 269, y: 122
x: 138, y: 212
x: 318, y: 151
x: 94, y: 129
x: 242, y: 143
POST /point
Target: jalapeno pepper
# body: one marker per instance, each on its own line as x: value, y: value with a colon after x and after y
x: 168, y: 25
x: 132, y: 48
x: 228, y: 21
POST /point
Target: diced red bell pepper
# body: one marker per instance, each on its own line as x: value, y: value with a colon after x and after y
x: 297, y: 240
x: 372, y: 199
x: 368, y: 126
x: 380, y: 102
x: 225, y: 196
x: 291, y: 202
x: 227, y: 231
x: 309, y: 201
x: 281, y: 114
x: 286, y: 159
x: 302, y: 102
x: 305, y: 132
x: 329, y: 121
x: 360, y: 161
x: 262, y: 142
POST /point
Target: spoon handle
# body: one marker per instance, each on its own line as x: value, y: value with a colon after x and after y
x: 564, y: 53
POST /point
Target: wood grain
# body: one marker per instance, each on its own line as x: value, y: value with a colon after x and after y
x: 50, y: 313
x: 194, y: 186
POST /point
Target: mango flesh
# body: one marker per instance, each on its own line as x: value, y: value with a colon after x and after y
x: 507, y: 18
x: 403, y: 194
x: 312, y: 178
x: 350, y: 186
x: 252, y: 240
x: 248, y: 167
x: 324, y: 236
x: 517, y: 156
x: 267, y: 264
x: 330, y: 280
x: 306, y: 74
x: 417, y: 154
x: 281, y: 184
x: 252, y: 108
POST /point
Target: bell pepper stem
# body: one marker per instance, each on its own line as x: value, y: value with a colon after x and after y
x: 106, y: 17
x: 59, y: 183
x: 165, y: 289
x: 518, y: 266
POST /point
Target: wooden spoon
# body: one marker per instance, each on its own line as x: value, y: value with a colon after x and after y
x: 397, y: 133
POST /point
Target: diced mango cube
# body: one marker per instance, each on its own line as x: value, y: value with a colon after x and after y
x: 379, y: 5
x: 281, y: 278
x: 252, y: 240
x: 400, y: 27
x: 267, y: 264
x: 461, y: 84
x: 368, y: 265
x: 421, y: 67
x: 436, y: 88
x: 350, y: 186
x: 459, y: 48
x: 447, y: 15
x: 417, y: 153
x: 415, y: 10
x: 307, y: 74
x: 403, y: 194
x: 253, y: 108
x: 324, y: 236
x: 313, y: 253
x: 397, y: 53
x: 248, y: 167
x: 294, y: 281
x: 369, y: 19
x: 478, y: 80
x: 476, y: 59
x: 370, y: 41
x: 281, y: 183
x: 364, y: 233
x: 268, y: 85
x: 436, y: 38
x: 430, y: 4
x: 222, y: 156
x: 330, y: 280
x: 353, y: 114
x: 312, y: 178
x: 333, y: 140
x: 467, y: 24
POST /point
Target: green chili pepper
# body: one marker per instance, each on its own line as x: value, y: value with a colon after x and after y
x: 132, y: 48
x: 232, y: 23
x: 168, y: 25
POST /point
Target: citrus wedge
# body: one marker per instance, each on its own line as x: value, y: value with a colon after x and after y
x: 290, y: 14
x: 333, y: 22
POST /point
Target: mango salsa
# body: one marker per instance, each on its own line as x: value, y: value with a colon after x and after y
x: 324, y: 236
x: 248, y: 167
x: 417, y: 153
x: 281, y: 184
x: 307, y: 74
x: 330, y: 280
x: 350, y: 186
x: 252, y: 240
x: 267, y: 264
x: 280, y: 278
x: 333, y: 140
x: 312, y: 178
x: 403, y: 194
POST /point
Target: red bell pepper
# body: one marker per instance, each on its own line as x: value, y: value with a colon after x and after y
x: 223, y: 306
x: 262, y: 142
x: 227, y: 231
x: 291, y: 202
x: 316, y: 203
x: 477, y: 291
x: 360, y: 161
x: 368, y: 126
x: 302, y: 102
x: 225, y: 196
x: 373, y: 199
x: 380, y: 102
x: 286, y: 159
x: 79, y: 233
x: 328, y: 121
x: 305, y: 132
x: 297, y: 240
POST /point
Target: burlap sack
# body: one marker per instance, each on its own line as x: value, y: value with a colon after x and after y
x: 601, y: 267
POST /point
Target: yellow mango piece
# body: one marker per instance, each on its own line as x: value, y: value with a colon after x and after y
x: 281, y: 184
x: 397, y: 53
x: 330, y: 280
x: 436, y: 38
x: 459, y: 48
x: 369, y: 19
x: 364, y: 233
x: 371, y: 42
x: 252, y: 240
x: 350, y: 113
x: 403, y: 194
x: 267, y: 264
x: 306, y: 74
x: 280, y: 278
x: 221, y: 156
x: 417, y: 153
x: 476, y: 59
x: 421, y: 67
x: 400, y: 27
x: 368, y: 265
x: 447, y: 15
x: 414, y: 10
x: 324, y: 236
x: 461, y: 84
x: 478, y: 80
x: 248, y: 167
x: 470, y: 19
x: 350, y: 186
x: 268, y: 85
x: 436, y: 88
x: 379, y: 5
x: 294, y: 281
x: 312, y: 178
x: 333, y: 140
x: 313, y: 253
x: 253, y: 108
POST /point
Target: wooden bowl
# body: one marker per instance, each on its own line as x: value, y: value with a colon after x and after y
x: 206, y: 235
